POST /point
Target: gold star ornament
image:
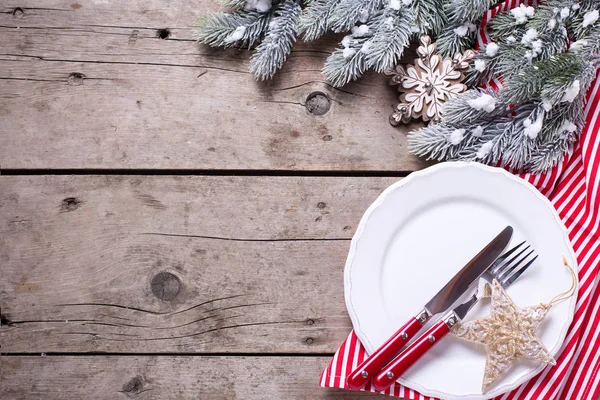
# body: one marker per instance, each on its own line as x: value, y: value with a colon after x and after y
x: 509, y: 332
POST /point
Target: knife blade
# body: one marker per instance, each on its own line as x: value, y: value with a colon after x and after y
x: 442, y: 300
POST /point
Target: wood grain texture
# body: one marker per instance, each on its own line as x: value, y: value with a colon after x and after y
x: 90, y: 84
x: 151, y: 377
x: 255, y: 263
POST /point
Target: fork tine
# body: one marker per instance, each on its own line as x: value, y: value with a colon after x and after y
x: 507, y: 281
x: 503, y: 268
x: 500, y: 260
x: 511, y: 266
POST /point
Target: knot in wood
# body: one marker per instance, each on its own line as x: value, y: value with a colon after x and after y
x: 134, y: 385
x: 165, y: 286
x: 70, y: 204
x: 75, y: 78
x: 317, y: 103
x: 18, y: 12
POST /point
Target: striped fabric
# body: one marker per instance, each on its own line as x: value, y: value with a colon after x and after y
x: 574, y: 189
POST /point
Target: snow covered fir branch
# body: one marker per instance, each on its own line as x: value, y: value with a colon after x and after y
x: 378, y: 31
x: 547, y: 58
x: 272, y: 24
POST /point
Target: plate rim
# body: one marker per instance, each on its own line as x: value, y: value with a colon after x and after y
x: 422, y: 174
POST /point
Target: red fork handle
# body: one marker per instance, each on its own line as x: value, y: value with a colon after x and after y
x: 408, y: 357
x: 368, y: 368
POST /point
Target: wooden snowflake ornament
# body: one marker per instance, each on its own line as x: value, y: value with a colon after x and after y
x: 427, y: 84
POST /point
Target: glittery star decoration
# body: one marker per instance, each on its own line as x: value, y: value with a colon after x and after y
x: 509, y: 332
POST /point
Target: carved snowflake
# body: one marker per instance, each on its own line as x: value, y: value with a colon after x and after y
x: 427, y: 84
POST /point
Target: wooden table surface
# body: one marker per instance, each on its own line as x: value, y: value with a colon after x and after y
x: 170, y: 228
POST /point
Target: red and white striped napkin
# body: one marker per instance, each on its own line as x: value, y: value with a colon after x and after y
x: 573, y: 187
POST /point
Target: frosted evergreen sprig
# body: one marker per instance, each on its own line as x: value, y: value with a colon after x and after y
x: 236, y: 5
x: 468, y: 10
x: 450, y: 42
x: 316, y: 18
x: 349, y: 62
x: 586, y: 29
x: 272, y: 52
x: 464, y: 17
x: 391, y: 35
x: 535, y: 118
x: 241, y: 28
x: 429, y: 17
x: 521, y: 37
x: 348, y: 13
x: 528, y: 125
x: 377, y: 44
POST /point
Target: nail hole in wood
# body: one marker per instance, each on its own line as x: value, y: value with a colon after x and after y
x: 75, y: 78
x: 4, y: 321
x: 70, y: 204
x: 165, y: 286
x: 327, y: 138
x: 163, y: 33
x: 18, y: 12
x: 309, y: 340
x: 310, y: 322
x: 134, y: 385
x: 317, y: 103
x: 321, y: 205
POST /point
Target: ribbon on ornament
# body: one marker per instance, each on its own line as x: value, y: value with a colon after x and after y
x: 573, y: 187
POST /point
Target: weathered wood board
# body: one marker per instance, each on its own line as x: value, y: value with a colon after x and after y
x: 181, y: 377
x: 90, y: 84
x: 255, y: 263
x: 194, y: 286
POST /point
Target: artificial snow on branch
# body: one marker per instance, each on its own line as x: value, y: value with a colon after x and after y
x: 240, y: 28
x: 316, y: 18
x: 537, y: 115
x: 272, y: 52
x: 384, y: 27
x: 464, y: 17
x: 377, y: 44
x: 348, y: 62
x: 348, y: 13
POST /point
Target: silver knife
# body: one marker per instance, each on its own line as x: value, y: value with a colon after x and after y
x: 438, y: 303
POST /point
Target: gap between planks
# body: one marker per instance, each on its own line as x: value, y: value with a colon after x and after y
x: 205, y: 172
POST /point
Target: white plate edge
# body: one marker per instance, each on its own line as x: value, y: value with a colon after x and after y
x: 429, y: 171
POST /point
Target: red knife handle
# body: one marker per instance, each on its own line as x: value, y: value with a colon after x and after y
x: 368, y: 368
x: 408, y: 357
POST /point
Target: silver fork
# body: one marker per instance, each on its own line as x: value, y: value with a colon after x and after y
x: 506, y: 269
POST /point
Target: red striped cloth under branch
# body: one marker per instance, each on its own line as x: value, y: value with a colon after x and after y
x: 574, y: 189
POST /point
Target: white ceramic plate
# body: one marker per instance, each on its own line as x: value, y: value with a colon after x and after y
x: 419, y: 233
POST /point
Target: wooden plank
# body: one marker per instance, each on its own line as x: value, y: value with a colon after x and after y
x: 151, y: 377
x: 255, y: 263
x: 94, y: 87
